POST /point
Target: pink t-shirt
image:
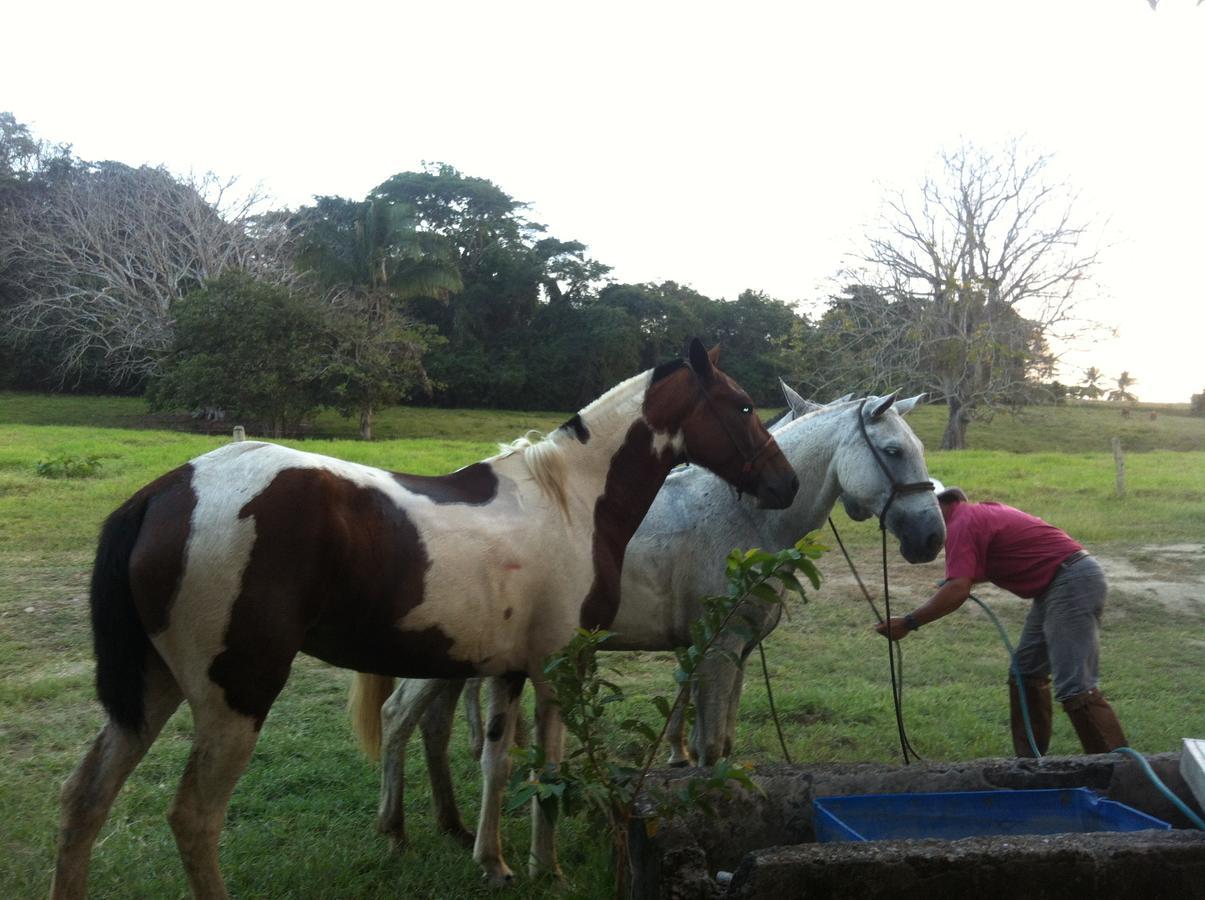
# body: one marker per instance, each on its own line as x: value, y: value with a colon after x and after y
x: 1008, y: 547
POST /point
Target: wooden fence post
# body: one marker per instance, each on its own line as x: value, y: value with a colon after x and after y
x: 1120, y: 459
x: 241, y: 435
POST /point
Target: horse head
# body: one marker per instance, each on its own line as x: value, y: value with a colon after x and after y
x: 721, y: 431
x: 882, y: 472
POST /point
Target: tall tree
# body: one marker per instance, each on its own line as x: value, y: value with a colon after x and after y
x: 246, y: 346
x: 1122, y: 394
x: 962, y: 284
x: 96, y: 265
x: 1090, y: 386
x: 508, y: 269
x: 369, y: 259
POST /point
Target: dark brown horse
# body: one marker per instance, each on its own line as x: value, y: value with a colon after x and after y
x: 209, y: 581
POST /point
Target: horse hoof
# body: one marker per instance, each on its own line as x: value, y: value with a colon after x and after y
x: 498, y: 879
x: 462, y: 836
x: 397, y: 843
x: 679, y: 763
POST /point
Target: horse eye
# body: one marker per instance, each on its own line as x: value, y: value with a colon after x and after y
x: 746, y: 409
x: 892, y: 451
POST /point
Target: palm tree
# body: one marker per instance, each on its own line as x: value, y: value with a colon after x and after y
x: 1124, y: 382
x: 1091, y: 383
x: 369, y: 259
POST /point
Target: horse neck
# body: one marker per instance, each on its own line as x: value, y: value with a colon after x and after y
x: 628, y: 457
x: 618, y: 470
x: 811, y: 445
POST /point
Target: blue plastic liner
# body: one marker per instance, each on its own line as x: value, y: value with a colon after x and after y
x: 960, y: 814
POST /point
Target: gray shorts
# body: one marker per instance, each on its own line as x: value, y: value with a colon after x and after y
x: 1061, y: 637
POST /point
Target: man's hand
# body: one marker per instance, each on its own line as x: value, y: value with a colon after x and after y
x: 895, y: 628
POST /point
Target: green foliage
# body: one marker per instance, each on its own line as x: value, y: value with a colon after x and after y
x: 590, y: 778
x: 248, y: 347
x: 68, y: 465
x: 1197, y: 406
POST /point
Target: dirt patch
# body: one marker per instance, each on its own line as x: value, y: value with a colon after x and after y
x: 1172, y: 575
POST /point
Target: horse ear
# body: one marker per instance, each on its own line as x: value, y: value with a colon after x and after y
x: 881, y: 406
x: 841, y: 399
x: 700, y: 359
x: 799, y: 406
x: 906, y: 406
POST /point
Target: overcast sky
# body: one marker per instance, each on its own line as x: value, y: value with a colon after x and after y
x: 724, y: 146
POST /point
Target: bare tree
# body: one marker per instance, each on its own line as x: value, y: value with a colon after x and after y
x: 98, y: 258
x: 962, y: 285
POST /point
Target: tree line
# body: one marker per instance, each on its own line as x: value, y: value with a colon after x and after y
x: 438, y: 287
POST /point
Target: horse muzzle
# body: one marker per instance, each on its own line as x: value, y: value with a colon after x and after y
x: 776, y: 492
x: 921, y: 542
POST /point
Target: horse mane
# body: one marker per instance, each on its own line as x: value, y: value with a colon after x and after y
x: 544, y: 454
x: 544, y: 457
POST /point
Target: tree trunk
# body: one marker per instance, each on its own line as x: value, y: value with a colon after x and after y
x: 955, y: 436
x: 366, y: 423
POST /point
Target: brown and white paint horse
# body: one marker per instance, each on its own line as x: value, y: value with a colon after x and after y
x: 209, y: 581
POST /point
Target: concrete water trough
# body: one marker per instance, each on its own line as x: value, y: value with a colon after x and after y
x: 765, y: 844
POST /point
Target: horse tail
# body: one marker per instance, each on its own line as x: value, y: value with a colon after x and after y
x: 119, y: 639
x: 368, y: 695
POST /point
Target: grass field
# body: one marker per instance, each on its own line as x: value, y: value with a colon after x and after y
x: 301, y: 822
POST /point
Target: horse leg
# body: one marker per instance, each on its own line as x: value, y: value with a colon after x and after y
x: 401, y: 712
x: 712, y: 690
x: 550, y: 736
x: 733, y: 708
x: 221, y: 750
x: 436, y: 726
x: 504, y: 693
x: 472, y: 717
x: 88, y: 794
x: 676, y: 735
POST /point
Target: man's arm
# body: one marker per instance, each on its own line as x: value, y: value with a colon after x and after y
x: 951, y: 595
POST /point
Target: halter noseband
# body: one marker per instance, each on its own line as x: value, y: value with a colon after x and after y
x: 897, y: 488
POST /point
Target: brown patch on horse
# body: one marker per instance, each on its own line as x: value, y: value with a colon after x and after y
x: 157, y: 562
x: 633, y: 479
x: 334, y: 567
x: 473, y: 485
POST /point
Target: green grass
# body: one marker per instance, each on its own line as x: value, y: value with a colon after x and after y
x: 301, y: 822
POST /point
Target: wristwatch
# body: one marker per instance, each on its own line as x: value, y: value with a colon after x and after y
x: 910, y: 621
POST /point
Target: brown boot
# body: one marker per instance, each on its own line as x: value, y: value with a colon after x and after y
x: 1095, y: 722
x: 1037, y: 701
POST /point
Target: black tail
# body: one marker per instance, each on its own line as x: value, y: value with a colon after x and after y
x: 118, y: 637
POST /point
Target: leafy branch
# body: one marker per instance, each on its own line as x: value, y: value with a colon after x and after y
x: 590, y: 778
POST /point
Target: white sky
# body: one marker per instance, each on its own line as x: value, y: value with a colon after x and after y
x: 721, y: 145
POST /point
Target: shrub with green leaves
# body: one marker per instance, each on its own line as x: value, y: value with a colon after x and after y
x: 590, y: 778
x: 66, y: 465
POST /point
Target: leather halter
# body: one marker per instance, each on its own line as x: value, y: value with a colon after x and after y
x: 897, y: 488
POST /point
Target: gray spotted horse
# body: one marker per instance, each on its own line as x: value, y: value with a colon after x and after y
x: 209, y: 581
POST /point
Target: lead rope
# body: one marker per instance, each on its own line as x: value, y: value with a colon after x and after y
x: 765, y: 669
x: 897, y: 682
